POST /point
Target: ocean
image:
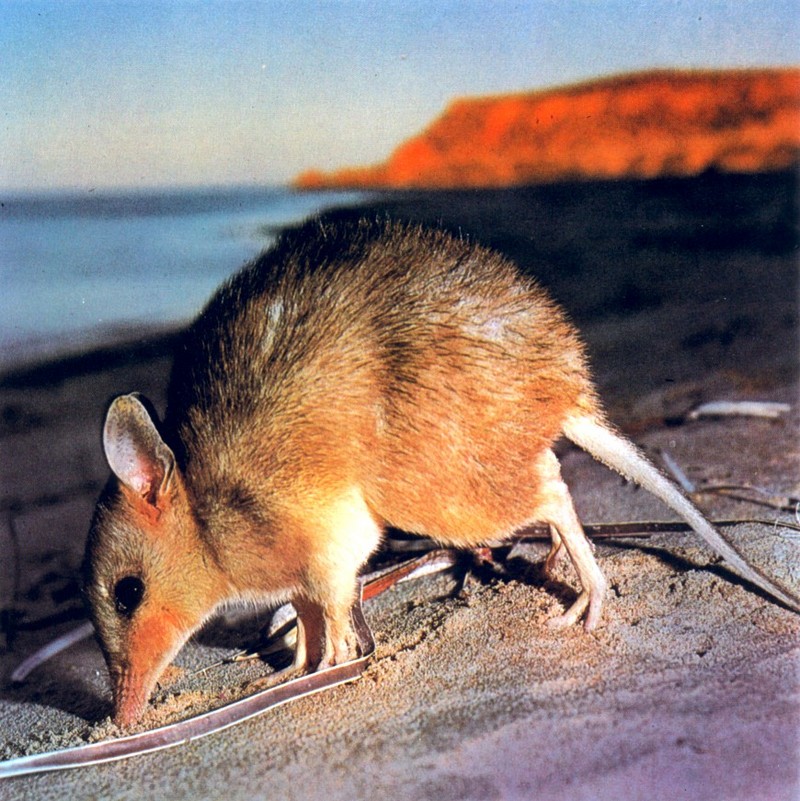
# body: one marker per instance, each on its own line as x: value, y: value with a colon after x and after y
x: 78, y: 269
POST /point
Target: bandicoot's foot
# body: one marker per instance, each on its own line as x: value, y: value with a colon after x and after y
x: 273, y: 680
x: 590, y: 603
x: 343, y: 650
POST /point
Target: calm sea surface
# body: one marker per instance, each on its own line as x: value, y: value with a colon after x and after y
x: 78, y: 269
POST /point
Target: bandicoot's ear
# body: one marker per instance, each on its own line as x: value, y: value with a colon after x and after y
x: 135, y: 451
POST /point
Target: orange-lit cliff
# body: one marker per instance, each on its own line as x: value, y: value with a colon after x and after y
x: 636, y: 126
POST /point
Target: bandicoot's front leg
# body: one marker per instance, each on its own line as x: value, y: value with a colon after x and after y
x: 324, y: 635
x: 322, y: 641
x: 344, y: 534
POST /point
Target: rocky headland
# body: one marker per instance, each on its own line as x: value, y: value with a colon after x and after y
x: 643, y: 125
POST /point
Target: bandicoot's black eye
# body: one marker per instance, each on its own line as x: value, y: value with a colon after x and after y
x: 128, y: 593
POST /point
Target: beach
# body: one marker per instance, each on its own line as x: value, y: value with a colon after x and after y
x: 686, y: 292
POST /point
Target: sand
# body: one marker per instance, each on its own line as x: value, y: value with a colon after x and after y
x: 689, y: 688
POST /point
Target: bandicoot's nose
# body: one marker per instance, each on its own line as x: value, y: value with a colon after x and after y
x: 127, y: 714
x: 130, y: 699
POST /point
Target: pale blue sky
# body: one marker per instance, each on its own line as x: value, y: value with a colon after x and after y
x: 103, y: 94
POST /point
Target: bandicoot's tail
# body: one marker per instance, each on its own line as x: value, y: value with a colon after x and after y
x: 615, y: 451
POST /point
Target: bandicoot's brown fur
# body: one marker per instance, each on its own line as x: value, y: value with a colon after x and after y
x: 354, y: 377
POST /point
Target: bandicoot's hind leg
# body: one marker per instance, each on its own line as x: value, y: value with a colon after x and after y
x: 567, y: 532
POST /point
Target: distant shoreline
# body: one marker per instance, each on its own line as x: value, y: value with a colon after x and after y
x: 137, y: 347
x: 82, y: 270
x: 715, y: 264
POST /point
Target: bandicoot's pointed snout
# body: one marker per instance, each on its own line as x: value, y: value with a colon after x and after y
x: 130, y: 698
x: 153, y: 640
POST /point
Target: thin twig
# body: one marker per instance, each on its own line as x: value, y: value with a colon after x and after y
x: 677, y: 473
x: 767, y: 409
x: 785, y: 503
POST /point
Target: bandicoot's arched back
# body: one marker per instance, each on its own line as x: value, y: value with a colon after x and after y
x: 356, y: 376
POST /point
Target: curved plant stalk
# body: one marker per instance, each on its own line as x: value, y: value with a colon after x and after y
x: 201, y: 725
x: 55, y: 646
x: 215, y: 720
